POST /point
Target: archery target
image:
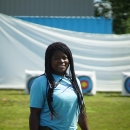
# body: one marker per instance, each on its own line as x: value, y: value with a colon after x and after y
x: 88, y: 81
x: 126, y: 84
x: 86, y: 84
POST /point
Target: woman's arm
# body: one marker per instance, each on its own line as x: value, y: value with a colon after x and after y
x: 82, y: 121
x: 34, y: 119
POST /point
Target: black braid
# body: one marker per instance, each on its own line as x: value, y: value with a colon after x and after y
x: 49, y: 52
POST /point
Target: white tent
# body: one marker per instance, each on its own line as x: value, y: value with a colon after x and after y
x: 23, y: 44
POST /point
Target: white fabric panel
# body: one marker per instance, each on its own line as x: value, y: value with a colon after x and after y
x: 125, y: 84
x: 23, y: 44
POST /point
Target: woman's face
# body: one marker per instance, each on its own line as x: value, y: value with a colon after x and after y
x: 59, y: 62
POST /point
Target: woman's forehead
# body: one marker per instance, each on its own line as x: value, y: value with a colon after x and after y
x: 58, y: 52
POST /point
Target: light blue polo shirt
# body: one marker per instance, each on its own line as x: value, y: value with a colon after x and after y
x: 64, y: 103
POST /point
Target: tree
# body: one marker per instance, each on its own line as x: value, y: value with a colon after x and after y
x: 120, y: 12
x: 103, y: 9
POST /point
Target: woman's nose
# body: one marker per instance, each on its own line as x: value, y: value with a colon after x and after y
x: 61, y: 60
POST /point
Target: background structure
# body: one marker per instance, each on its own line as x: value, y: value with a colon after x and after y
x: 23, y: 45
x: 47, y: 7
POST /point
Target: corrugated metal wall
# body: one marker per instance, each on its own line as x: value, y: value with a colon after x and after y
x: 47, y: 7
x: 76, y: 9
x: 79, y: 24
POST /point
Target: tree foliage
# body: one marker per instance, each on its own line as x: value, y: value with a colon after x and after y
x: 120, y: 14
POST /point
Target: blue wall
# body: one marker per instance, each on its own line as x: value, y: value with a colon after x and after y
x: 79, y: 24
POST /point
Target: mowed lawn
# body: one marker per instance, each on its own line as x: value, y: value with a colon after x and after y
x: 105, y: 111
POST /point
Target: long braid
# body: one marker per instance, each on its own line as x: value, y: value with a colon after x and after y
x: 75, y: 84
x: 49, y: 52
x: 50, y: 79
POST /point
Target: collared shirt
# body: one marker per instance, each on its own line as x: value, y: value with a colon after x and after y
x: 64, y: 103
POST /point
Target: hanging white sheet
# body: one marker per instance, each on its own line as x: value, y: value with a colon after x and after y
x: 23, y: 44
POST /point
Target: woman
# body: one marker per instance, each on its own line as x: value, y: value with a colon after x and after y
x: 56, y: 101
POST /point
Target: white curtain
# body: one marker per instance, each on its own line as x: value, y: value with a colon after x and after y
x: 23, y: 44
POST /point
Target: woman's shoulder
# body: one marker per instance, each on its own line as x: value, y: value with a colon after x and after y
x: 41, y: 79
x: 43, y: 76
x: 39, y: 82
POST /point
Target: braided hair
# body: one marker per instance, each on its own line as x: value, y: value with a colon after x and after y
x: 48, y: 71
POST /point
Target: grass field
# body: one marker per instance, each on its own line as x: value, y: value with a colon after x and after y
x: 106, y: 111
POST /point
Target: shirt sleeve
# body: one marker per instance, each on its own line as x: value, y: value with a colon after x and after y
x: 38, y: 92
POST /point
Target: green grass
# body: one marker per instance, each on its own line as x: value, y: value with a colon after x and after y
x: 105, y: 111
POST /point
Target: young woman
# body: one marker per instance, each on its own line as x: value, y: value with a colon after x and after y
x: 56, y: 100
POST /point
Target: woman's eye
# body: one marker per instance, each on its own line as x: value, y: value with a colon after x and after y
x: 65, y: 58
x: 56, y: 58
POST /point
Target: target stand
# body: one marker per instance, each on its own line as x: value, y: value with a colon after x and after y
x: 30, y: 77
x: 126, y: 84
x: 88, y: 81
